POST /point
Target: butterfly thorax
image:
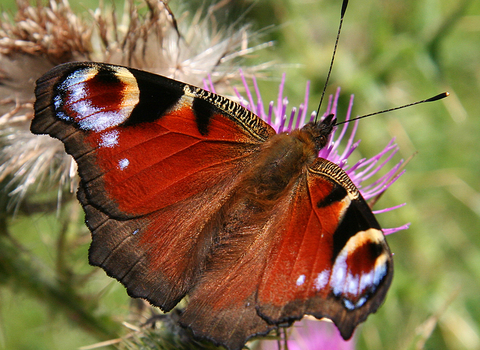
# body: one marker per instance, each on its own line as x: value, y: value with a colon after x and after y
x: 284, y: 158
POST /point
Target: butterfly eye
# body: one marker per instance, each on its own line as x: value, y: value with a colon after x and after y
x: 320, y: 141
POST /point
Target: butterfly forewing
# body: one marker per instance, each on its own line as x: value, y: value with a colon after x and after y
x: 186, y: 192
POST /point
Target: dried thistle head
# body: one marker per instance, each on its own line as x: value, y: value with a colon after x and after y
x: 145, y: 36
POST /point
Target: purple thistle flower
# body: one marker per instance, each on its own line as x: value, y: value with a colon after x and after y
x: 362, y: 170
x: 309, y: 334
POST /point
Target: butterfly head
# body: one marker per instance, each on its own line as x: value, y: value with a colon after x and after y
x: 320, y: 131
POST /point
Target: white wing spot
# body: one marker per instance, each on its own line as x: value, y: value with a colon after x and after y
x: 109, y: 139
x: 300, y: 280
x: 123, y: 163
x: 348, y: 304
x: 322, y: 280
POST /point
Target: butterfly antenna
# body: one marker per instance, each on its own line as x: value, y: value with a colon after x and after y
x: 431, y: 99
x: 344, y: 8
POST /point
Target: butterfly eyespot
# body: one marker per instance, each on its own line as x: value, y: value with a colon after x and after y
x: 96, y: 99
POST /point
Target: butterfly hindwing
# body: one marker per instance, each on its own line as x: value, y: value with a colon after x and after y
x: 332, y: 259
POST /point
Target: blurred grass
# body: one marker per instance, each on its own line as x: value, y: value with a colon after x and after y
x: 390, y: 53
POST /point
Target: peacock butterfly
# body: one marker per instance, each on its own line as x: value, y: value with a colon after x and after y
x: 188, y: 193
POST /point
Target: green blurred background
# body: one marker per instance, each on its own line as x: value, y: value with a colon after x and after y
x: 391, y: 52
